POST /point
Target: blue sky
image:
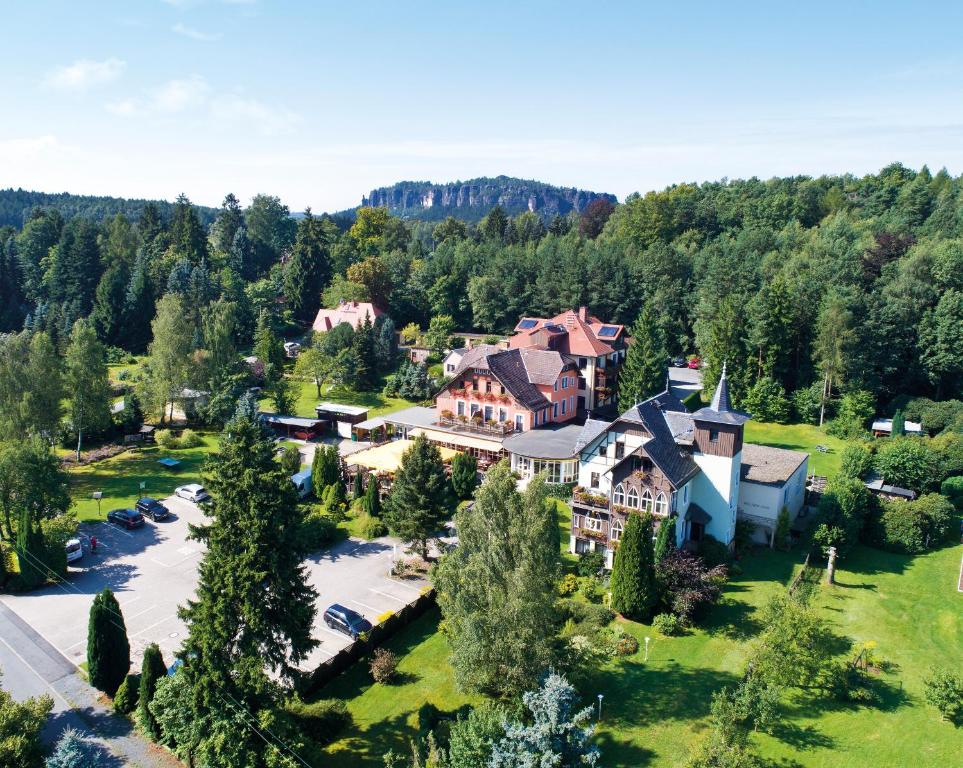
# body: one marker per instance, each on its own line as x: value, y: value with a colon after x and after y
x: 319, y: 102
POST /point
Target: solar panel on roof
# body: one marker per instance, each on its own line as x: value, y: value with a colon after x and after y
x: 527, y: 323
x: 555, y: 328
x: 608, y: 330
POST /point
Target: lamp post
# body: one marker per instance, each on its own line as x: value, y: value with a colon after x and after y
x: 646, y: 649
x: 600, y: 708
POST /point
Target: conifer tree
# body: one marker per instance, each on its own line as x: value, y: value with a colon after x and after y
x: 464, y: 475
x: 358, y: 490
x: 30, y: 551
x: 309, y: 269
x: 372, y: 497
x: 251, y: 622
x: 633, y: 572
x: 899, y: 424
x: 363, y: 349
x: 419, y: 500
x: 152, y: 670
x: 646, y: 362
x: 108, y: 650
x: 664, y: 539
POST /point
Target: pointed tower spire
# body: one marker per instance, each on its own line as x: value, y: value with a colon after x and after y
x: 720, y: 400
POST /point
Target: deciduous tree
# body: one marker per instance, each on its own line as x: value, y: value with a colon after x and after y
x: 86, y: 382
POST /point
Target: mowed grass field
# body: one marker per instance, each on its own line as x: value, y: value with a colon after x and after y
x: 119, y: 477
x: 306, y: 398
x: 800, y: 437
x: 654, y: 712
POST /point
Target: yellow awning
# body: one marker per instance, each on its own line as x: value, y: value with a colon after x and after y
x: 464, y: 441
x: 387, y: 457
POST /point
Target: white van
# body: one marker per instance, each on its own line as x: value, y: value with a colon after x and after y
x: 302, y: 481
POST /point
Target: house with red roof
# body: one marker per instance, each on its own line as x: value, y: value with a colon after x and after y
x: 351, y: 312
x: 598, y: 350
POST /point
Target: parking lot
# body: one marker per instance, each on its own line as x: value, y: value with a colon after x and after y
x: 153, y: 569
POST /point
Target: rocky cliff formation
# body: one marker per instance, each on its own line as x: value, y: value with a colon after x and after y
x: 471, y: 200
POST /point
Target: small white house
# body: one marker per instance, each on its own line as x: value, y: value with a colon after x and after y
x: 884, y: 428
x: 771, y: 478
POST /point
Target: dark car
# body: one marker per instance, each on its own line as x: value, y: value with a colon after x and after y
x: 346, y: 621
x: 128, y: 518
x: 679, y: 362
x: 151, y: 508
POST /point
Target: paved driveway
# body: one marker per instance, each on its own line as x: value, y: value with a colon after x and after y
x: 153, y: 570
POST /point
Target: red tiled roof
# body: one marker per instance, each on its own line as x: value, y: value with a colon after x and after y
x: 580, y: 328
x: 350, y: 312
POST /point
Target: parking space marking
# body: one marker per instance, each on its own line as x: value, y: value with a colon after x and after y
x: 156, y: 623
x: 393, y: 597
x: 128, y: 602
x: 406, y: 586
x: 338, y: 635
x: 365, y: 605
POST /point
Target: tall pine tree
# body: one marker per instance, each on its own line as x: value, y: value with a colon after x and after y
x: 251, y: 621
x: 420, y: 499
x: 646, y: 362
x: 152, y: 669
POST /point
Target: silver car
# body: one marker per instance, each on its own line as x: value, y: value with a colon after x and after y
x: 192, y: 492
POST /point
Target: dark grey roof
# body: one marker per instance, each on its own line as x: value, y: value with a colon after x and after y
x: 720, y: 410
x: 876, y: 484
x: 673, y: 460
x: 550, y: 442
x: 768, y: 465
x: 697, y: 514
x: 591, y: 430
x: 509, y: 368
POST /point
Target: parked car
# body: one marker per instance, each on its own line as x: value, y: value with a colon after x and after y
x: 192, y: 492
x: 128, y: 518
x: 695, y: 363
x: 679, y: 362
x: 151, y: 508
x: 302, y: 481
x: 75, y: 550
x: 346, y: 621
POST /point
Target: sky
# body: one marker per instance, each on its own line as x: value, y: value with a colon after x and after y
x: 320, y: 102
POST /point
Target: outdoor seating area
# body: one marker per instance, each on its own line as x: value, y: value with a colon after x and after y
x: 386, y: 458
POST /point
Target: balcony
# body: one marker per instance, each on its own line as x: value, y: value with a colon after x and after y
x: 585, y: 498
x: 588, y: 533
x: 476, y: 425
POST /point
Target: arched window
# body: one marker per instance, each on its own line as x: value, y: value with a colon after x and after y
x: 661, y: 505
x: 647, y: 500
x: 633, y: 498
x: 616, y: 530
x: 618, y: 496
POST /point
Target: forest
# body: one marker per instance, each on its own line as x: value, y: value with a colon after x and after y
x: 836, y: 284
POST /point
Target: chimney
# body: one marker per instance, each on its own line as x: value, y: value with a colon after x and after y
x: 583, y: 314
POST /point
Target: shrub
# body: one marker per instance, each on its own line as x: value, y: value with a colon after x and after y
x: 321, y: 720
x: 857, y: 461
x: 742, y: 541
x: 621, y: 643
x: 383, y: 665
x: 591, y: 589
x: 585, y: 614
x: 371, y: 527
x: 382, y: 618
x: 189, y: 439
x: 944, y: 690
x: 952, y: 488
x: 316, y: 531
x: 165, y: 439
x: 689, y: 585
x: 805, y: 403
x: 909, y: 463
x: 590, y: 563
x: 667, y: 624
x: 948, y: 448
x: 855, y: 411
x: 73, y: 750
x: 781, y: 536
x: 568, y: 585
x: 766, y: 401
x: 912, y: 526
x: 125, y: 700
x: 713, y: 551
x: 842, y: 512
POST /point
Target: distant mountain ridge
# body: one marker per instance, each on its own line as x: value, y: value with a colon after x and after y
x: 472, y: 199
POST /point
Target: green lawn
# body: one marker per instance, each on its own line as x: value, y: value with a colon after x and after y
x: 653, y: 712
x: 306, y: 398
x: 800, y: 437
x: 386, y: 716
x: 119, y: 477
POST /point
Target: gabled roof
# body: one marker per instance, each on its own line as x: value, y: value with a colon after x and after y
x: 663, y: 417
x: 768, y: 465
x: 509, y: 368
x: 590, y: 430
x: 351, y: 312
x: 477, y: 357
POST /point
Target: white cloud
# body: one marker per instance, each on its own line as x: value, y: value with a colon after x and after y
x: 178, y: 95
x: 195, y: 34
x: 265, y: 119
x: 84, y: 74
x: 125, y: 107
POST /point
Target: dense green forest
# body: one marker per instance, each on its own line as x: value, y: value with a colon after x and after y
x: 16, y: 206
x: 838, y: 283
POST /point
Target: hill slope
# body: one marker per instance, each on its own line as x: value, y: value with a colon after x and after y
x: 16, y: 205
x: 471, y: 200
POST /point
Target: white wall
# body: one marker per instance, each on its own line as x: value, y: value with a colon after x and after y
x: 716, y: 490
